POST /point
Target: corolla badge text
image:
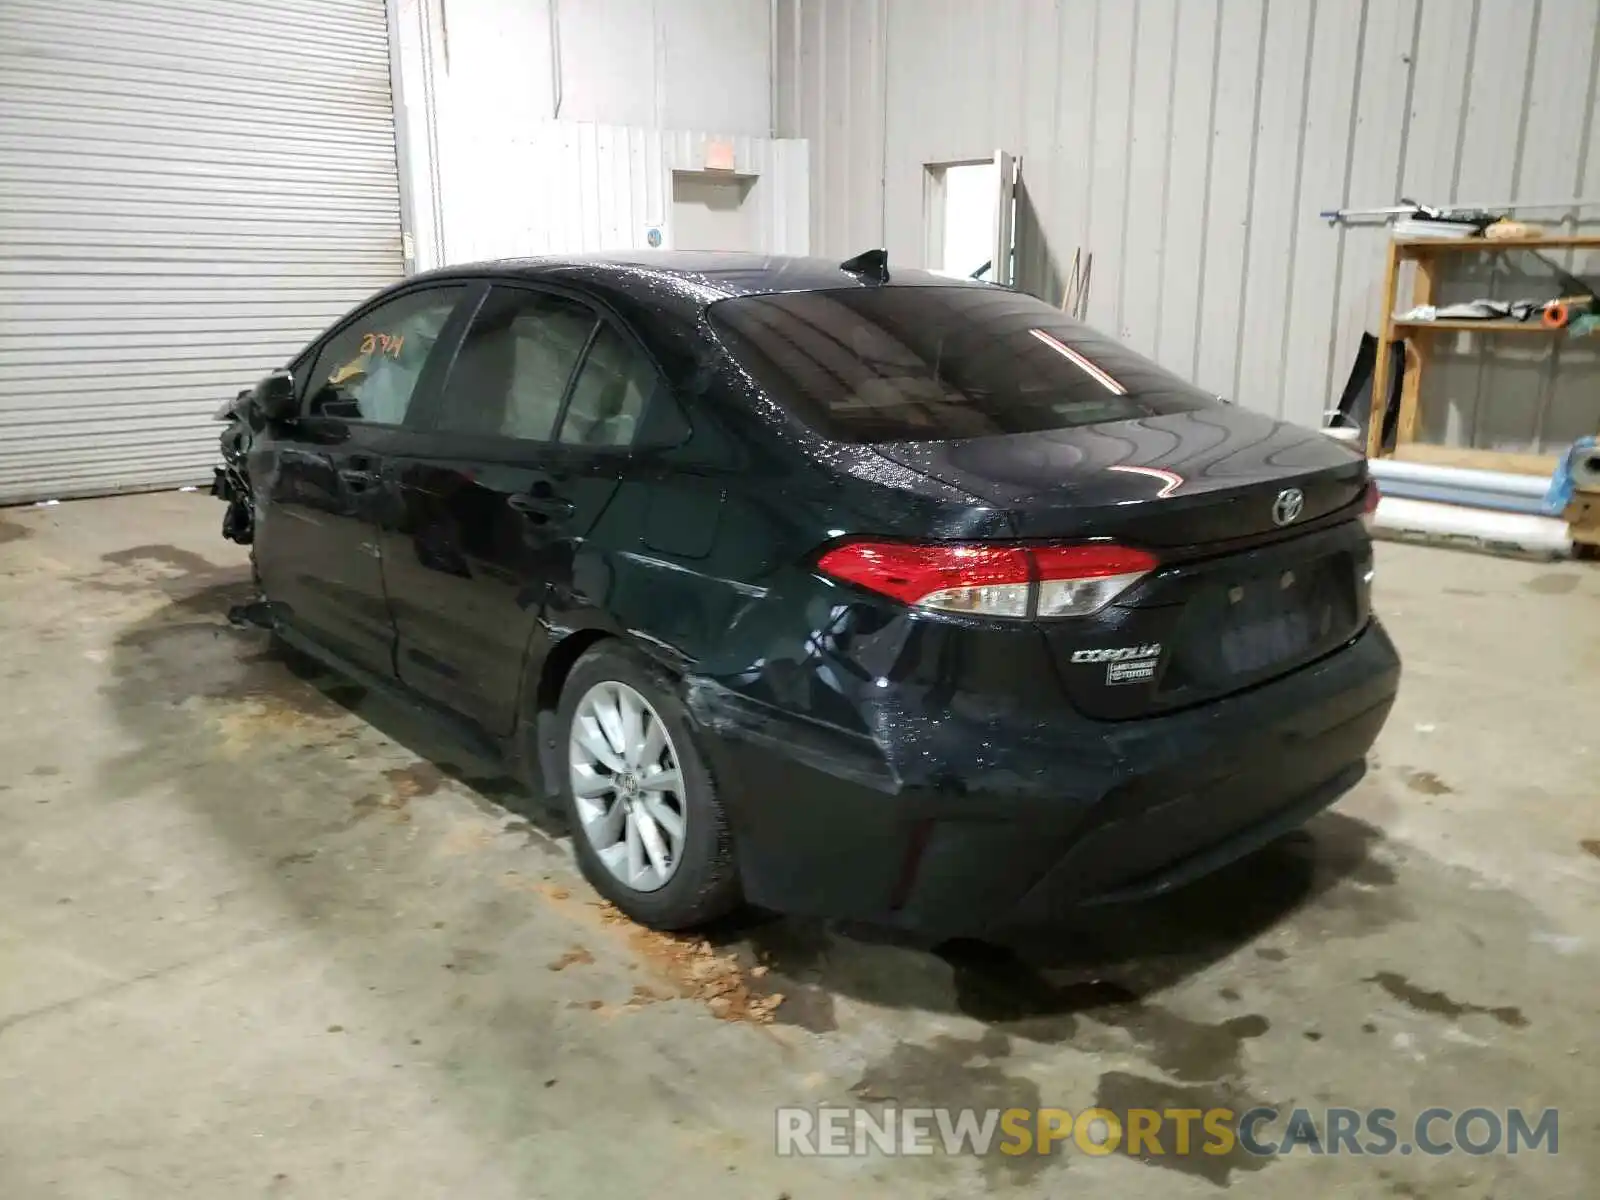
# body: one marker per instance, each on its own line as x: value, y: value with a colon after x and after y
x: 1118, y: 653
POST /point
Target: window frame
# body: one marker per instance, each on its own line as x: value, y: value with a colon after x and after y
x: 431, y: 422
x: 629, y: 340
x: 444, y: 350
x: 434, y: 401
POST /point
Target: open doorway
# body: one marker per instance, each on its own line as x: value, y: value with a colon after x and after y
x: 711, y: 210
x: 969, y: 216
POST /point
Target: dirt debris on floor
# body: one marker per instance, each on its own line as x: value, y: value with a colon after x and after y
x: 696, y: 969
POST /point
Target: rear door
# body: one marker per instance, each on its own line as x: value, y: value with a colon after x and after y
x: 525, y: 450
x: 465, y: 574
x: 318, y: 480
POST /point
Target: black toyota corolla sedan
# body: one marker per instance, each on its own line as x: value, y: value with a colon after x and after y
x: 828, y: 587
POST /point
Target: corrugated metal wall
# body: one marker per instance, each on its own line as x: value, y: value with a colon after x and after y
x: 572, y: 187
x: 1188, y: 145
x: 189, y: 189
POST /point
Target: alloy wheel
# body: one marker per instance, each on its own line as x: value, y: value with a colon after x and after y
x: 627, y: 785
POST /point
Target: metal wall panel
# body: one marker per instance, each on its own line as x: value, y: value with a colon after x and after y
x: 567, y: 187
x: 1188, y: 145
x: 833, y: 77
x: 189, y: 189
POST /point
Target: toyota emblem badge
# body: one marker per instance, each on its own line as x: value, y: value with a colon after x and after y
x: 1288, y: 506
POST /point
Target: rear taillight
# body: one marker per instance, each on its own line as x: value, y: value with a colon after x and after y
x: 1077, y: 580
x: 991, y: 580
x: 1369, y: 502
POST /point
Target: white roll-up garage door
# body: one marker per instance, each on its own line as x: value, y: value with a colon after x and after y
x: 189, y: 189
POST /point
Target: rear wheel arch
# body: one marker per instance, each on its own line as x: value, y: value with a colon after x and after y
x: 539, y: 738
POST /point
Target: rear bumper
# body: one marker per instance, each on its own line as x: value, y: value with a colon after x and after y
x: 961, y: 826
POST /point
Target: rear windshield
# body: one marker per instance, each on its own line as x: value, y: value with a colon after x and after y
x: 901, y: 364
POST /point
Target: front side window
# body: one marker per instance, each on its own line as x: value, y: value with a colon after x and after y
x: 369, y: 370
x: 514, y: 365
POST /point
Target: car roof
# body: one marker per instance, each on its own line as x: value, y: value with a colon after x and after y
x: 702, y: 277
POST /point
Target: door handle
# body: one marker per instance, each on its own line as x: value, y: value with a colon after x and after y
x: 542, y: 506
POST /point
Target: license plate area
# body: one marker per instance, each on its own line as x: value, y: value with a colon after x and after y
x: 1233, y: 632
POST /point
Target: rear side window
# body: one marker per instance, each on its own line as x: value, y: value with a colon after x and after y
x: 609, y: 396
x: 890, y: 364
x: 514, y: 365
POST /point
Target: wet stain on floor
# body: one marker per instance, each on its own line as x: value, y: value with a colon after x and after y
x: 953, y: 1072
x: 1271, y: 953
x: 1426, y: 782
x: 1185, y: 1048
x: 1590, y: 846
x: 44, y: 771
x: 467, y: 961
x: 373, y: 803
x: 805, y: 1005
x: 1121, y: 1092
x: 405, y: 785
x: 419, y: 779
x: 184, y: 562
x: 1439, y: 1004
x: 163, y: 569
x: 1020, y: 1001
x: 10, y: 531
x: 1552, y: 585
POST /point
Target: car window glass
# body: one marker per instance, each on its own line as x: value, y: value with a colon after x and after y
x: 368, y: 371
x: 514, y: 364
x: 919, y: 363
x: 609, y: 396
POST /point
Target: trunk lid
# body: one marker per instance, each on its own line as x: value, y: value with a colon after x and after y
x: 1242, y: 595
x: 1190, y: 479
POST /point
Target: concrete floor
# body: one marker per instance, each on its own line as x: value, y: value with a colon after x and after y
x: 260, y: 936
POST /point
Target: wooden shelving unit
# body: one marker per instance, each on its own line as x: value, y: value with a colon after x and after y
x: 1481, y: 326
x: 1425, y: 252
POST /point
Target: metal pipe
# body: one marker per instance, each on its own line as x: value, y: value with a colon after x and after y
x: 1399, y: 210
x: 555, y: 59
x: 1498, y: 501
x: 1448, y: 522
x: 1504, y: 483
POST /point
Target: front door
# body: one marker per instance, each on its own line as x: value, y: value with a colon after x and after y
x: 319, y: 479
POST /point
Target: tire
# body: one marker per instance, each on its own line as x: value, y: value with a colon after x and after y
x: 612, y: 822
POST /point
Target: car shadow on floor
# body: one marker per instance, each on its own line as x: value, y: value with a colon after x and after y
x: 1100, y: 959
x: 1108, y: 961
x: 490, y: 778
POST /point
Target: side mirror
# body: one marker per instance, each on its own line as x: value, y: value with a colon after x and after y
x: 274, y: 397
